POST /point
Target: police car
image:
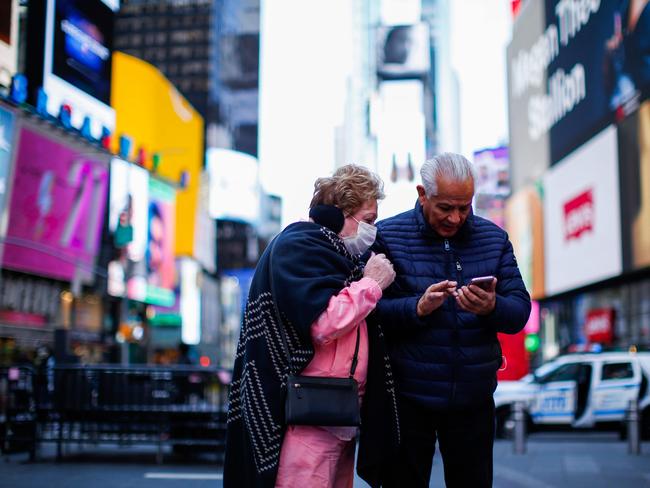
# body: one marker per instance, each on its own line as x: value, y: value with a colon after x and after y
x: 579, y: 390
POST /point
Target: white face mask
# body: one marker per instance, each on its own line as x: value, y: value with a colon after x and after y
x: 364, y: 238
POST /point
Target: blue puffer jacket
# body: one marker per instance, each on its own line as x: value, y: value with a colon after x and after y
x: 448, y: 359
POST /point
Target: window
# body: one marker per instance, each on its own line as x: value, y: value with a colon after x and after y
x: 617, y: 371
x: 567, y: 372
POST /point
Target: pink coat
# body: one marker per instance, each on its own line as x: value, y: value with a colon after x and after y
x: 324, y: 456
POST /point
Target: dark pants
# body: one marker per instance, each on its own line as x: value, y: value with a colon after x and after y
x: 465, y: 438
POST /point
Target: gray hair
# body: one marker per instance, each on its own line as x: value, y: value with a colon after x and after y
x: 452, y: 166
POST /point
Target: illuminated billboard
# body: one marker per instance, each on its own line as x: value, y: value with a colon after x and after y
x: 159, y: 255
x: 70, y: 47
x: 8, y: 40
x: 234, y: 185
x: 128, y: 205
x: 582, y: 230
x: 634, y: 157
x: 573, y: 70
x: 403, y: 51
x: 525, y: 225
x: 159, y: 119
x: 142, y: 223
x: 7, y: 128
x: 57, y: 208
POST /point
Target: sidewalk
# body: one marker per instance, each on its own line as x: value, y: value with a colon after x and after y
x: 553, y: 460
x: 560, y: 460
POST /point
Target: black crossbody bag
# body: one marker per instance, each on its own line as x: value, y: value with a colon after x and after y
x: 317, y: 400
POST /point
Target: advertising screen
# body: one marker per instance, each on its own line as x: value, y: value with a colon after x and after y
x: 83, y: 37
x: 493, y: 168
x: 582, y: 230
x: 6, y: 146
x: 57, y: 208
x: 239, y: 60
x: 160, y: 120
x: 634, y: 157
x: 77, y: 57
x: 129, y: 200
x: 159, y: 255
x: 587, y: 68
x: 596, y: 70
x: 524, y: 223
x: 529, y: 151
x: 5, y: 21
x: 8, y: 40
x: 205, y: 242
x: 190, y: 306
x: 234, y: 185
x: 403, y: 51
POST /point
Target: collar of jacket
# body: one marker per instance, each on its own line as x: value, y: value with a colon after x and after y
x: 425, y: 228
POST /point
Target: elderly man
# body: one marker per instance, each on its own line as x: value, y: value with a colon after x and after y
x: 442, y: 330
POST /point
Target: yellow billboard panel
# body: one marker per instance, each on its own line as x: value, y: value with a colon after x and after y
x: 159, y: 119
x: 524, y: 223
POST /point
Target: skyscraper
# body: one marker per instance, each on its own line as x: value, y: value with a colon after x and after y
x: 210, y: 51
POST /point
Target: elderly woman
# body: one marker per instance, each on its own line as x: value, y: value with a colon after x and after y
x: 323, y: 294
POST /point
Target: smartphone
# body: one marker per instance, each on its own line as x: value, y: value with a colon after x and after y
x: 482, y: 281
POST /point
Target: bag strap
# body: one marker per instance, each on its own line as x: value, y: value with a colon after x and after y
x: 283, y: 333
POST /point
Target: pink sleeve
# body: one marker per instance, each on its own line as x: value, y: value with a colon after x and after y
x: 346, y: 310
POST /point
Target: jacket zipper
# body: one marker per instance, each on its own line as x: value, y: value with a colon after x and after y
x: 459, y: 270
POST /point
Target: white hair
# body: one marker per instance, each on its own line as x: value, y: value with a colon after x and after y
x: 449, y: 165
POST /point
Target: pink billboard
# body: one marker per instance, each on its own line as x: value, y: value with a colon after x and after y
x: 57, y: 209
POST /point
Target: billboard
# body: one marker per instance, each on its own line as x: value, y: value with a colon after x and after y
x: 403, y: 51
x: 582, y: 230
x: 190, y: 306
x: 525, y: 226
x: 234, y: 185
x: 634, y: 157
x: 57, y: 208
x: 128, y: 205
x: 205, y: 243
x: 70, y: 47
x: 7, y: 124
x: 239, y: 60
x: 493, y: 170
x: 8, y: 40
x: 159, y: 263
x: 493, y: 183
x: 150, y: 276
x: 159, y: 119
x: 586, y: 68
x: 597, y: 69
x: 529, y: 153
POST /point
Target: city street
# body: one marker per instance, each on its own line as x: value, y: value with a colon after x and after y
x: 552, y: 460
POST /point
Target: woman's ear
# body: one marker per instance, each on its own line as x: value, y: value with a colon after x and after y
x: 328, y: 216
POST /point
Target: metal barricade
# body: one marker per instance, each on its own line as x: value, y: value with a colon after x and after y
x: 181, y: 406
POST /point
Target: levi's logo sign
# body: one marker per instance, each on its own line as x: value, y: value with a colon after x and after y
x: 579, y: 215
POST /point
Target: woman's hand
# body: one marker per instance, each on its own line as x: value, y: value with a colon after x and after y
x: 380, y: 269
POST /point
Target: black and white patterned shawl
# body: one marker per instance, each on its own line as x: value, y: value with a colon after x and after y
x: 310, y: 265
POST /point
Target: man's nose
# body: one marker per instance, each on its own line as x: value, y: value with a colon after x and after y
x: 454, y: 217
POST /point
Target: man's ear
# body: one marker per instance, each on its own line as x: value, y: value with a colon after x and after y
x: 422, y: 195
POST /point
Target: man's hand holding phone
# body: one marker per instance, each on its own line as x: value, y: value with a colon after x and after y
x: 434, y: 296
x: 479, y: 296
